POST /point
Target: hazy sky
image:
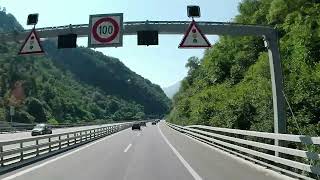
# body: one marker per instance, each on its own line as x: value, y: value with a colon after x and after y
x: 163, y: 64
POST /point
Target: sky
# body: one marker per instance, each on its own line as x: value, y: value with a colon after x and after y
x: 163, y: 64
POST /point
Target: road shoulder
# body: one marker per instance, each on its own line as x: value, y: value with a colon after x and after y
x: 211, y: 163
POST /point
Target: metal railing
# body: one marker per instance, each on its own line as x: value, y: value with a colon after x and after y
x: 18, y: 127
x: 294, y: 159
x: 16, y: 153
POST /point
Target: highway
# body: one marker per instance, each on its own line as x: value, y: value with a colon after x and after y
x: 155, y: 153
x: 26, y: 134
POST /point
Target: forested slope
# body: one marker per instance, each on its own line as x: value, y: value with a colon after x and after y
x: 111, y: 76
x: 230, y: 86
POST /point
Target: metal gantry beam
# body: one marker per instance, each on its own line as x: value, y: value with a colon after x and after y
x: 163, y: 27
x: 179, y: 27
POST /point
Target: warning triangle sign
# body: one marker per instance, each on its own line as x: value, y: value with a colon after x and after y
x: 194, y: 38
x: 32, y: 44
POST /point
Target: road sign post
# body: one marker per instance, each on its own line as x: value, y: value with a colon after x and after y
x: 11, y: 116
x: 11, y: 111
x: 105, y: 30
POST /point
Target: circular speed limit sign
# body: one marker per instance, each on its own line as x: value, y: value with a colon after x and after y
x: 105, y: 30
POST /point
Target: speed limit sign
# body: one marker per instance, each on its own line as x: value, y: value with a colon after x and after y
x: 106, y: 30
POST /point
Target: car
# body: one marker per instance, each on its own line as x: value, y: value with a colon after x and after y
x: 136, y: 126
x: 41, y: 129
x: 154, y: 122
x: 143, y: 124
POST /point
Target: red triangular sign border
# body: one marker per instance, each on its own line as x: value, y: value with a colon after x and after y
x: 25, y: 41
x: 193, y: 23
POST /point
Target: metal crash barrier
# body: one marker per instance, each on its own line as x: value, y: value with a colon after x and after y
x: 298, y: 159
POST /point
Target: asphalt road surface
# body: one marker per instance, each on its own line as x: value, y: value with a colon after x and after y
x: 155, y: 153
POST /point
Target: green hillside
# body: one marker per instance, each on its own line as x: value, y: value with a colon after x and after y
x: 73, y: 85
x: 230, y: 86
x: 110, y: 75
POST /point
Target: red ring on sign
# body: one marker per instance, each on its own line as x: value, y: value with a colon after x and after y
x: 105, y: 40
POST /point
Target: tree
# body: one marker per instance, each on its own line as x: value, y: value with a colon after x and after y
x: 230, y: 86
x: 36, y: 109
x: 193, y: 64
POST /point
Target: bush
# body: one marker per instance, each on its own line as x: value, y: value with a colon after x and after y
x: 53, y: 121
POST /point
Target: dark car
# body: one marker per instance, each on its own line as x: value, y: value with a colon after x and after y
x: 41, y: 129
x: 143, y: 124
x: 136, y: 126
x: 154, y: 122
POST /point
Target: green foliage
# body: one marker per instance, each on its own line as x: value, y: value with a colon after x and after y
x: 277, y: 12
x: 53, y: 121
x: 36, y: 109
x: 110, y: 75
x: 230, y: 87
x: 22, y: 116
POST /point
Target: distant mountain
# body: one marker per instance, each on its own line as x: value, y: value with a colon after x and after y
x: 170, y: 91
x: 8, y: 22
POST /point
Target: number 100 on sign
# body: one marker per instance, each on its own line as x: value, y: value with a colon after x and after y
x: 105, y: 30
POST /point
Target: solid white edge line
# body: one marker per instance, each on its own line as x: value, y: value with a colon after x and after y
x: 55, y: 159
x: 195, y: 175
x: 128, y: 147
x: 243, y: 161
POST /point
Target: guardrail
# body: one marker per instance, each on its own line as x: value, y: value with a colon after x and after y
x: 16, y: 153
x: 18, y: 127
x: 258, y: 147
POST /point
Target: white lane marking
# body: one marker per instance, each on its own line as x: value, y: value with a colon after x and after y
x: 241, y: 160
x: 55, y: 159
x: 128, y: 147
x: 138, y: 134
x: 195, y: 175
